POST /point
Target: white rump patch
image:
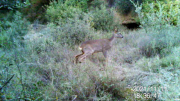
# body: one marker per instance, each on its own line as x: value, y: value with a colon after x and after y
x: 80, y: 48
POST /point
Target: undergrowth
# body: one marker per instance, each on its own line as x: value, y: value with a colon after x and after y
x: 40, y: 58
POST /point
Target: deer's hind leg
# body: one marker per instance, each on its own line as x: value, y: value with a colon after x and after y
x: 77, y: 56
x: 86, y: 53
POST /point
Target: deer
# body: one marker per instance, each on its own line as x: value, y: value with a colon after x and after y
x: 94, y: 46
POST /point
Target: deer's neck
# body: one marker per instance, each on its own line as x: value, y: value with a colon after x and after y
x: 112, y: 40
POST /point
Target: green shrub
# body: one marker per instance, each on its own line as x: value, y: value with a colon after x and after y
x: 5, y: 40
x: 170, y: 82
x: 81, y: 4
x: 63, y: 11
x: 12, y: 5
x: 97, y: 4
x: 7, y: 17
x: 172, y: 60
x: 169, y: 8
x: 13, y: 31
x: 168, y: 70
x: 23, y: 84
x: 162, y: 35
x: 36, y: 10
x: 125, y: 6
x: 102, y: 19
x: 73, y: 32
x: 160, y: 42
x: 154, y: 64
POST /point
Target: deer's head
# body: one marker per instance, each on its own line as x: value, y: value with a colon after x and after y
x: 118, y: 35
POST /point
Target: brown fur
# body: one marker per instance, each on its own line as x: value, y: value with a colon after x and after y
x: 94, y: 46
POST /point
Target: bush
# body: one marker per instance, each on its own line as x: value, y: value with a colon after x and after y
x: 12, y: 32
x: 162, y: 41
x: 172, y: 60
x: 169, y: 8
x: 63, y: 11
x: 11, y: 4
x: 73, y: 32
x: 125, y: 6
x: 97, y: 4
x: 102, y: 18
x: 162, y: 36
x: 36, y: 11
x: 81, y: 4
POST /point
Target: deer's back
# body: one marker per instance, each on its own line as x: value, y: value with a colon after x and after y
x: 96, y: 45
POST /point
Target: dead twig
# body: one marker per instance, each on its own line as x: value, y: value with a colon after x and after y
x: 6, y: 82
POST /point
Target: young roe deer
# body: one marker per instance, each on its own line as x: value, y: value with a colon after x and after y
x: 93, y: 46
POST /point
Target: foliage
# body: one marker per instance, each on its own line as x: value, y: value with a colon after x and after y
x: 73, y: 32
x: 168, y: 68
x: 160, y: 41
x: 12, y: 32
x: 81, y: 4
x: 63, y: 11
x: 161, y: 46
x: 11, y: 4
x: 169, y: 9
x: 125, y: 6
x: 97, y: 4
x: 75, y: 25
x: 162, y: 35
x: 102, y: 19
x: 36, y: 10
x: 41, y: 56
x: 50, y: 69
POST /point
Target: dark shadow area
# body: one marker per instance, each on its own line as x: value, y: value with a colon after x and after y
x: 132, y: 25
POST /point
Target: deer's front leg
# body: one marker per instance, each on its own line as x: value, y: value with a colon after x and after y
x: 106, y: 56
x: 105, y: 53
